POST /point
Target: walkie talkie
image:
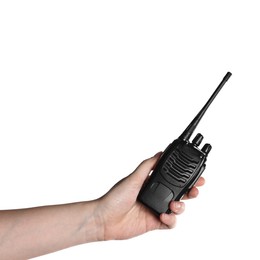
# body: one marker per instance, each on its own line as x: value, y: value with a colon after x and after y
x: 180, y: 165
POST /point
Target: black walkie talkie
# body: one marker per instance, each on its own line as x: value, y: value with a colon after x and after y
x: 179, y: 167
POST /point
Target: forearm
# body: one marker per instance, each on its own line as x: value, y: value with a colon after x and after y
x: 27, y: 233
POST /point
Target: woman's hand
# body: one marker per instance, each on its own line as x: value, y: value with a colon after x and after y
x: 122, y: 216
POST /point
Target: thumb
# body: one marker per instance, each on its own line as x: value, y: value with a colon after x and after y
x: 142, y: 171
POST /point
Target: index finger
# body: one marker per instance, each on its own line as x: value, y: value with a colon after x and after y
x: 200, y: 182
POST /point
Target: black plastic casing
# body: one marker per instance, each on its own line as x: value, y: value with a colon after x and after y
x: 180, y: 165
x: 178, y: 169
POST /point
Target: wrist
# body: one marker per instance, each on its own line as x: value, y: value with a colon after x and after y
x: 93, y: 224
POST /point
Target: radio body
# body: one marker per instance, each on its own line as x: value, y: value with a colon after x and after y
x: 179, y: 167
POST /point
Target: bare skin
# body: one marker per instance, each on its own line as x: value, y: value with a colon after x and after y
x: 116, y: 215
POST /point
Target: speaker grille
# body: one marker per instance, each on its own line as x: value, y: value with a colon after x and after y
x: 179, y: 167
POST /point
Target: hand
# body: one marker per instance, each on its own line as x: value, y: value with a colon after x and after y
x: 122, y: 216
x: 116, y: 215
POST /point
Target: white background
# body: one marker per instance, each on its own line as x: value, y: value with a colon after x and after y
x: 88, y: 89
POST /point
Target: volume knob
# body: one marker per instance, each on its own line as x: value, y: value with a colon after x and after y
x: 197, y: 140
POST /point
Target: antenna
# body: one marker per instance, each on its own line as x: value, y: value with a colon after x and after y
x: 191, y: 127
